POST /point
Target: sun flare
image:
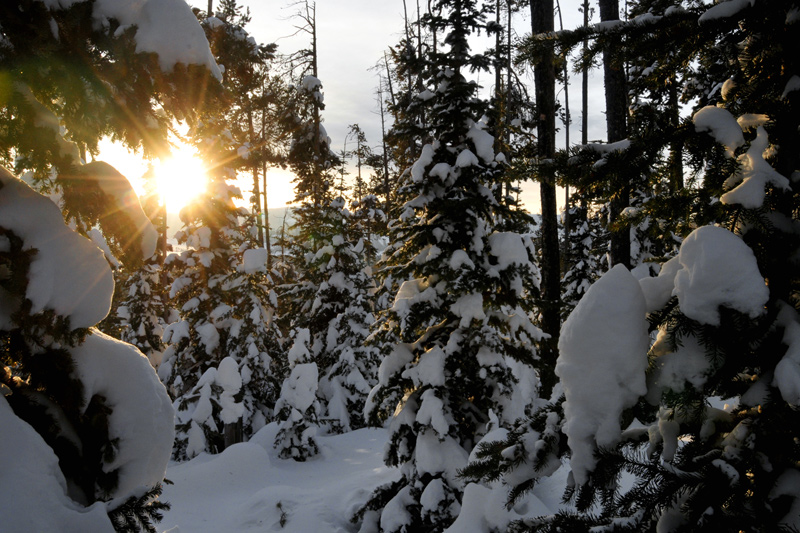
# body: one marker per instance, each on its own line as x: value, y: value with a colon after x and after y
x: 180, y: 178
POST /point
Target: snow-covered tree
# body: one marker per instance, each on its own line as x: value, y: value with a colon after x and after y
x: 458, y: 324
x: 224, y: 295
x: 702, y: 356
x: 298, y: 408
x: 584, y: 253
x: 85, y: 409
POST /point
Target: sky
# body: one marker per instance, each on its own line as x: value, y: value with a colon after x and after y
x: 352, y: 37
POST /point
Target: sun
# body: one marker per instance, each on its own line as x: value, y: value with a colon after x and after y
x: 180, y: 178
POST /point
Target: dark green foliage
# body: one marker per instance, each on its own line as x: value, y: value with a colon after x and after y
x: 140, y: 513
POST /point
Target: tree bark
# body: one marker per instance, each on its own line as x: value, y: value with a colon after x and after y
x: 545, y: 86
x: 617, y: 129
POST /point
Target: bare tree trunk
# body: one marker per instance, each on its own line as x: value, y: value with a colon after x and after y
x: 676, y: 147
x: 567, y: 221
x: 385, y: 153
x: 617, y: 128
x: 389, y: 79
x: 545, y: 84
x: 256, y: 184
x: 267, y: 236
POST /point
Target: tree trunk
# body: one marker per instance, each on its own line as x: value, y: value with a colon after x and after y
x: 545, y: 85
x: 256, y: 203
x: 617, y: 129
x: 566, y: 260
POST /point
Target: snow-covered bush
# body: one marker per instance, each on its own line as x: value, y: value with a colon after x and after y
x: 88, y: 409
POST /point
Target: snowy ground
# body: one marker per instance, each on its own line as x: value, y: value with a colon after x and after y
x: 248, y: 488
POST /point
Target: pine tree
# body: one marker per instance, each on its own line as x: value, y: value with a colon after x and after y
x: 89, y: 407
x: 298, y: 408
x: 227, y: 309
x: 723, y: 311
x: 458, y: 319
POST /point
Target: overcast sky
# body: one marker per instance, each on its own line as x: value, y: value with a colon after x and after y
x: 352, y: 37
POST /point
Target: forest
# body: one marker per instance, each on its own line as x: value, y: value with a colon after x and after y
x: 413, y: 350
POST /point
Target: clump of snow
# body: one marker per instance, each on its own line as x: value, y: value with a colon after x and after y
x: 755, y: 174
x: 788, y: 484
x: 787, y: 371
x: 229, y: 378
x: 725, y: 9
x: 469, y: 307
x: 300, y: 388
x: 508, y: 248
x: 718, y: 268
x: 68, y: 273
x: 483, y: 509
x: 603, y: 358
x: 792, y: 85
x: 721, y: 125
x: 254, y: 260
x: 429, y: 370
x: 166, y: 27
x: 142, y: 419
x: 483, y: 141
x: 310, y: 83
x: 119, y: 190
x: 607, y: 148
x: 658, y: 290
x: 33, y: 496
x: 436, y: 454
x: 425, y: 159
x: 687, y: 365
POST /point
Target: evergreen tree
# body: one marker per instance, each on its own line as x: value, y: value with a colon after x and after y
x: 227, y: 309
x: 89, y: 408
x: 298, y: 408
x: 458, y: 319
x: 723, y: 310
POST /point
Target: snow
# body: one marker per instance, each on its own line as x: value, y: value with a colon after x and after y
x: 37, y: 499
x: 300, y: 388
x: 166, y: 27
x: 788, y: 484
x: 483, y: 510
x: 718, y: 268
x: 658, y: 290
x: 466, y: 159
x: 69, y: 273
x: 792, y: 85
x: 436, y: 454
x: 483, y: 141
x: 142, y: 418
x: 603, y: 358
x: 787, y: 371
x: 428, y: 370
x: 425, y: 159
x: 721, y: 125
x: 754, y: 173
x: 249, y: 488
x: 469, y: 307
x: 117, y: 188
x: 254, y: 260
x: 508, y: 248
x: 688, y: 364
x: 727, y: 8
